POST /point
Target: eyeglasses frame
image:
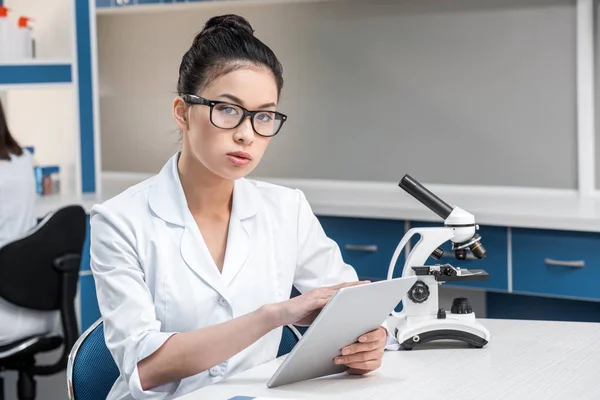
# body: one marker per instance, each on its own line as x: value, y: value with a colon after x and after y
x: 199, y: 100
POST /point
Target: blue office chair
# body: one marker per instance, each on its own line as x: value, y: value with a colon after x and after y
x: 289, y: 338
x: 91, y: 370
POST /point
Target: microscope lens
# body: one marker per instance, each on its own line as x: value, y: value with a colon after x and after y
x: 478, y: 250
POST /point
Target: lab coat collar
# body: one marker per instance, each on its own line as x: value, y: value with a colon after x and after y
x: 167, y: 199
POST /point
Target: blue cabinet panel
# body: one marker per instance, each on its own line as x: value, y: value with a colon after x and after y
x: 514, y: 306
x: 85, y: 253
x: 494, y: 240
x: 104, y: 3
x: 151, y: 1
x: 366, y: 244
x: 556, y: 263
x: 88, y: 302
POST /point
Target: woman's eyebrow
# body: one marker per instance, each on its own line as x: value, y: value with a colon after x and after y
x: 240, y: 102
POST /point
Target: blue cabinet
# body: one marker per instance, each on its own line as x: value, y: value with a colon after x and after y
x: 494, y: 240
x: 151, y: 1
x: 556, y: 263
x: 104, y: 3
x: 89, y: 303
x: 366, y: 244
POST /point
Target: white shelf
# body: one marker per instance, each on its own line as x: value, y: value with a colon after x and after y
x: 195, y: 5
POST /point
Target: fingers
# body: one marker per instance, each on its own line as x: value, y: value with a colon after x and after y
x: 348, y: 284
x: 322, y: 295
x: 363, y: 368
x: 377, y: 335
x: 360, y: 348
x: 362, y: 357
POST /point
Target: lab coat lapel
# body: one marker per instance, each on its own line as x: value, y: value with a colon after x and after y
x: 196, y: 255
x: 239, y: 241
x: 167, y: 200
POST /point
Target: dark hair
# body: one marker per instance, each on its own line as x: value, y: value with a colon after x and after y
x: 225, y: 44
x: 8, y: 145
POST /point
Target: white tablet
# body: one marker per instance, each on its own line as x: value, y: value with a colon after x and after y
x: 350, y: 313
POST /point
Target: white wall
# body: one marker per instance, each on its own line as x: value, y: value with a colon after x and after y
x: 460, y: 92
x: 52, y: 28
x: 47, y: 118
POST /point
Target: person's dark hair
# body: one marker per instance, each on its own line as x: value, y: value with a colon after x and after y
x: 8, y: 145
x: 225, y: 44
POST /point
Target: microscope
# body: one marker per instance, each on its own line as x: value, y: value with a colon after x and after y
x: 421, y: 320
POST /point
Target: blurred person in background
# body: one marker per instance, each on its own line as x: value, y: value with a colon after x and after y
x: 17, y: 217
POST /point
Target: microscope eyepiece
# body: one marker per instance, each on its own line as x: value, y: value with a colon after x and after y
x: 430, y: 200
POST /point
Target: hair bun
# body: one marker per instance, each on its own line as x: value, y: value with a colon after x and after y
x: 228, y: 21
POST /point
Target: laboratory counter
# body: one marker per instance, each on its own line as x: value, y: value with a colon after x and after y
x: 526, y: 208
x: 541, y: 245
x: 524, y: 360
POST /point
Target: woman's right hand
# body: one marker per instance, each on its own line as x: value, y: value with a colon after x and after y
x: 303, y: 309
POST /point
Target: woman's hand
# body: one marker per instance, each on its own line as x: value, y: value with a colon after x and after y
x: 303, y: 309
x: 365, y: 355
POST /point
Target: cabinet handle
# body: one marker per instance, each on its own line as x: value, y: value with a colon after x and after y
x: 470, y: 257
x: 371, y: 248
x: 571, y: 264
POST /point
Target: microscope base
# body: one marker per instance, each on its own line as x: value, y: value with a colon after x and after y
x: 411, y: 331
x: 430, y: 336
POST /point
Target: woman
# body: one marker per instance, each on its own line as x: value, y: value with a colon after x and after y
x: 17, y: 216
x: 194, y: 267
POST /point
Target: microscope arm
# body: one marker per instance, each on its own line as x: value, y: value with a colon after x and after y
x: 422, y: 250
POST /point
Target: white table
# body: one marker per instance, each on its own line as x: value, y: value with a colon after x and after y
x: 524, y: 360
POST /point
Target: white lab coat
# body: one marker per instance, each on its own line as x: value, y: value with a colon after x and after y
x: 155, y: 276
x: 17, y: 216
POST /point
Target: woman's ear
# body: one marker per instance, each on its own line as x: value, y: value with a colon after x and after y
x: 179, y: 113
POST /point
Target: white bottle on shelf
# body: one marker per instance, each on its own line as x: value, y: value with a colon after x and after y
x: 6, y: 37
x: 23, y: 41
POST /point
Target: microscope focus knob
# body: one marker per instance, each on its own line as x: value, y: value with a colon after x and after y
x: 419, y: 292
x: 461, y: 305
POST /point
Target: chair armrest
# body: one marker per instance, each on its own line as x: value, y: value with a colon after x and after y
x: 68, y: 263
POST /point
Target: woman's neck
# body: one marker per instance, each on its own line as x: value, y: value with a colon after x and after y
x: 207, y: 194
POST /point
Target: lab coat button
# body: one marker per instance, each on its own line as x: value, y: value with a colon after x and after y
x: 214, y: 371
x: 222, y: 301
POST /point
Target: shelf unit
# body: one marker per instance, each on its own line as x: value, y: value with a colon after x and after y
x: 105, y: 7
x: 35, y: 73
x: 36, y: 79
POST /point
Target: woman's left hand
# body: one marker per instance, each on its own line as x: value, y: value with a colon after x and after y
x: 365, y: 355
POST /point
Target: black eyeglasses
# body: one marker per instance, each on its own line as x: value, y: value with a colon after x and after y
x: 225, y: 115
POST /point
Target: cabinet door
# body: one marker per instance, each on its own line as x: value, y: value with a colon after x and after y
x: 151, y: 1
x: 366, y: 244
x: 556, y: 263
x: 494, y: 240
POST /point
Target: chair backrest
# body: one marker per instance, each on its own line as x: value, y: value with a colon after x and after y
x: 91, y: 370
x: 35, y: 256
x: 289, y: 337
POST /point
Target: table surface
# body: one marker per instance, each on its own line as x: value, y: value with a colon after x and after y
x: 524, y: 360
